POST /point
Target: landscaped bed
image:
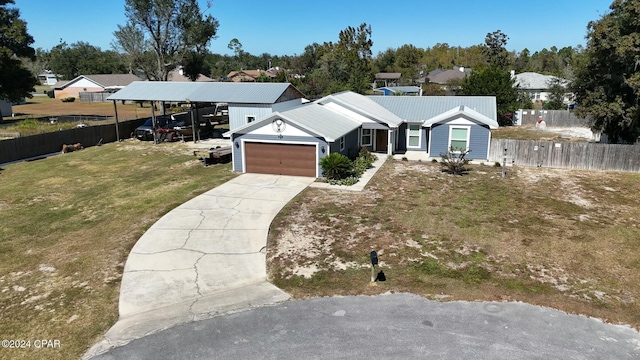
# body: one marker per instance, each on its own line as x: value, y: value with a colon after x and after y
x: 563, y: 239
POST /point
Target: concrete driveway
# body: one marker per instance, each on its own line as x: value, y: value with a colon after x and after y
x: 203, y: 258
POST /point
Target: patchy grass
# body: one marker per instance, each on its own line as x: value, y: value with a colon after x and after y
x: 558, y: 238
x: 529, y: 132
x: 39, y: 106
x: 68, y: 224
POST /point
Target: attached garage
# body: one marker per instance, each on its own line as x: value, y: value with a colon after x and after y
x: 280, y: 159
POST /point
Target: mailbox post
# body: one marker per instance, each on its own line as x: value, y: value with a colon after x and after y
x: 374, y: 262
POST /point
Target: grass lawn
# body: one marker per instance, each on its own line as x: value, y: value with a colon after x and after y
x: 569, y: 240
x: 68, y: 224
x: 45, y: 106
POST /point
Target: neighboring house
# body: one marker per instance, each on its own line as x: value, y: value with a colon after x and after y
x: 249, y: 75
x: 537, y: 85
x: 178, y: 75
x: 48, y: 78
x: 5, y: 108
x: 93, y: 83
x: 399, y: 90
x: 384, y: 79
x: 443, y: 77
x: 247, y: 102
x: 292, y: 142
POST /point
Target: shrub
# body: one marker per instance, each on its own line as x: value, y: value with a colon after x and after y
x: 497, y: 164
x: 51, y: 93
x: 336, y: 166
x: 68, y: 99
x: 454, y: 162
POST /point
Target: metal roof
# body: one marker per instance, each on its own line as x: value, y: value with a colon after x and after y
x: 465, y: 111
x: 422, y: 108
x: 404, y: 89
x: 314, y: 118
x: 364, y: 106
x: 248, y: 93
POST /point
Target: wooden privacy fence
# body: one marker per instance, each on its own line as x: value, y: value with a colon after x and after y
x: 98, y: 96
x: 567, y: 155
x: 44, y: 144
x: 555, y: 118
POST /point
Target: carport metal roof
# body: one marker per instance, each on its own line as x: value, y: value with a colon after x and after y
x: 253, y: 93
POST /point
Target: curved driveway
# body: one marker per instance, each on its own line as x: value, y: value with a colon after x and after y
x: 205, y: 257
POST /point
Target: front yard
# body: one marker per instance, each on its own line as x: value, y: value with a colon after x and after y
x: 562, y: 239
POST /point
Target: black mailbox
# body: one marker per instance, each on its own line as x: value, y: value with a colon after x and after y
x: 374, y: 258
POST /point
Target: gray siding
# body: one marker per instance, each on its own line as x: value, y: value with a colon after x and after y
x: 286, y: 105
x: 237, y: 151
x: 238, y: 113
x: 478, y: 141
x: 402, y: 139
x: 351, y: 147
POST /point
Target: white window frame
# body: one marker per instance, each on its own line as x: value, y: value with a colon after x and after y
x: 362, y: 136
x: 247, y: 117
x: 341, y: 143
x: 409, y: 135
x: 451, y: 128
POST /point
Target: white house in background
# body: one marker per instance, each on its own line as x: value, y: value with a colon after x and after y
x: 537, y: 85
x: 93, y: 83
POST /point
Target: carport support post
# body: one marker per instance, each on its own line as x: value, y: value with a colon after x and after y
x: 115, y: 109
x: 153, y: 121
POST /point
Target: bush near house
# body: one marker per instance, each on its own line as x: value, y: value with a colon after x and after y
x: 339, y: 170
x: 454, y: 162
x: 68, y: 99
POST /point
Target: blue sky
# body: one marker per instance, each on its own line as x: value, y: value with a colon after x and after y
x: 285, y: 27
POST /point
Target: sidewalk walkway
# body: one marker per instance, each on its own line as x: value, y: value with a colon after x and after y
x: 203, y: 258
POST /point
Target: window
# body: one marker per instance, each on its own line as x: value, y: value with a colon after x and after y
x: 365, y: 138
x: 413, y: 136
x: 459, y: 138
x: 250, y: 118
x: 342, y: 143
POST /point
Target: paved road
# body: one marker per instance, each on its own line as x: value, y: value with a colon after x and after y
x: 398, y: 326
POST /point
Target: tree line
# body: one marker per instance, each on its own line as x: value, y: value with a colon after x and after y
x: 160, y: 35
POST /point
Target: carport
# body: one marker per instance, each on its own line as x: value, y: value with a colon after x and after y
x: 193, y: 93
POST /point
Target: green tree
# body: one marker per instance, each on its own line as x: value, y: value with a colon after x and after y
x: 493, y: 81
x: 354, y: 49
x: 408, y: 62
x: 607, y: 85
x: 16, y: 81
x: 174, y: 31
x: 556, y: 95
x: 82, y: 58
x: 495, y: 49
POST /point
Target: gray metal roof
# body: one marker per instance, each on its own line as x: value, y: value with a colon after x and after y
x: 313, y: 118
x: 421, y: 108
x: 364, y: 106
x: 404, y: 89
x: 248, y: 93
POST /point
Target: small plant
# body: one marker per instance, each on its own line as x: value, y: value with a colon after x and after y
x: 336, y: 166
x: 404, y: 158
x: 51, y: 94
x: 68, y: 99
x: 497, y: 164
x: 454, y: 162
x: 434, y: 160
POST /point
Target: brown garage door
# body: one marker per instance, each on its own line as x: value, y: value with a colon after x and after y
x: 280, y: 159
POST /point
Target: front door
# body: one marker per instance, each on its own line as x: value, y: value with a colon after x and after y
x: 381, y: 140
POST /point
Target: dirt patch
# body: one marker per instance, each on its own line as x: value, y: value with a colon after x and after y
x: 560, y: 238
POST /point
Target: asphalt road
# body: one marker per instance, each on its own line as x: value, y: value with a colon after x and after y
x: 394, y: 326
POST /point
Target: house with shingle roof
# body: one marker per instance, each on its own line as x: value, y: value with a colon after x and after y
x: 92, y: 83
x: 537, y: 86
